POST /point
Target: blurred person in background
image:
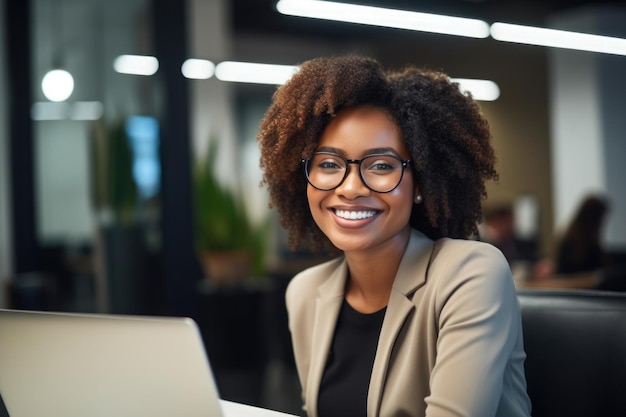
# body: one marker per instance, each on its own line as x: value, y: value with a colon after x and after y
x: 579, y: 249
x: 499, y: 230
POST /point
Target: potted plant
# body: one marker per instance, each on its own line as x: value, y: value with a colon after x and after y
x: 230, y: 248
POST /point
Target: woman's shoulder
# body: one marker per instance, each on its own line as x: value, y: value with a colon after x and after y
x: 464, y: 249
x: 467, y: 274
x: 453, y: 248
x: 306, y: 283
x: 464, y: 261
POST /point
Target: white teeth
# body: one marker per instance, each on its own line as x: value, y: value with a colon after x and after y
x: 354, y: 215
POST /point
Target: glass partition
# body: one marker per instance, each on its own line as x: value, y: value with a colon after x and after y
x: 95, y: 116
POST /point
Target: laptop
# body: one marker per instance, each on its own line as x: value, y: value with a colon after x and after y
x: 78, y: 365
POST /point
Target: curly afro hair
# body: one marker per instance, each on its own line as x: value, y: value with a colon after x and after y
x: 444, y: 130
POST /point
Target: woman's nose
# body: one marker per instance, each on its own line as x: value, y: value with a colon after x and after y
x: 352, y: 186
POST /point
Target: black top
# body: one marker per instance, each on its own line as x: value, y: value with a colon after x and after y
x: 346, y: 379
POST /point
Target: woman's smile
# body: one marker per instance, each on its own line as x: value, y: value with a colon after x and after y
x: 353, y: 219
x: 354, y: 214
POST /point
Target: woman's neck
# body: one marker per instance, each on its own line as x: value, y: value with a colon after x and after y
x: 371, y: 274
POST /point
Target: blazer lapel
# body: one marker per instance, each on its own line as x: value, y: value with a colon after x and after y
x: 330, y: 298
x: 410, y: 277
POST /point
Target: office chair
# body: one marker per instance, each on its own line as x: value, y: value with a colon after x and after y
x: 575, y: 342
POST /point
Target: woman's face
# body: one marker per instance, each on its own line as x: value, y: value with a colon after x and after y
x: 352, y: 216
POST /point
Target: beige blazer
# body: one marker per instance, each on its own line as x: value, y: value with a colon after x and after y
x: 451, y: 341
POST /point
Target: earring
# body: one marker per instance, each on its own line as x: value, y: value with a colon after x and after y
x: 418, y: 199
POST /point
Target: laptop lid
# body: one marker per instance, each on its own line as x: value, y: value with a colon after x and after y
x: 77, y: 365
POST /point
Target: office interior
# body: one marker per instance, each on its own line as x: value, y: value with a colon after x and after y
x: 88, y: 227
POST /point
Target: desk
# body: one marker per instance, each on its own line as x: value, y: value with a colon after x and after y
x: 232, y: 409
x: 589, y: 280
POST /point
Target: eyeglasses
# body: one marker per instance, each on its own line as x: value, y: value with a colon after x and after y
x: 380, y: 173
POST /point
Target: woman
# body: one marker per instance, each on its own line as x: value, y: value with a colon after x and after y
x: 580, y: 249
x: 388, y: 169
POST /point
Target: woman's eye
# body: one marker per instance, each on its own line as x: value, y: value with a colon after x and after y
x: 382, y: 165
x: 329, y: 165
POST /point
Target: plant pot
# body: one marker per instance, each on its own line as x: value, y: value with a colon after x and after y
x: 227, y: 267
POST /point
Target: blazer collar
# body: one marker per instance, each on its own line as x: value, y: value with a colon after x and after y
x: 328, y: 304
x: 412, y: 271
x: 411, y: 276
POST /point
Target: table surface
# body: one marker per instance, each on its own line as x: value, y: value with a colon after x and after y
x: 587, y: 280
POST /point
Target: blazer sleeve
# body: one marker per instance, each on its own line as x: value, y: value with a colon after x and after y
x: 479, y: 329
x: 301, y: 315
x: 301, y: 300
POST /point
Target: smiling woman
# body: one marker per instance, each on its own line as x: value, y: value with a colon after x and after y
x: 388, y: 170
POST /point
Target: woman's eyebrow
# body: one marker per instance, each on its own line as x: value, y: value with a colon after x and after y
x: 330, y: 149
x: 372, y: 151
x: 380, y: 151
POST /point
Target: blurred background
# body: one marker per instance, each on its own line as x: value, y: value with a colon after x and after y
x: 130, y: 182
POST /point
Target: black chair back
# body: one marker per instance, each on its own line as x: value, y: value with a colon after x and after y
x: 575, y: 342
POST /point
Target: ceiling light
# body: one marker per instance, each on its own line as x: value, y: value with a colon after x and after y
x: 246, y: 72
x: 57, y: 85
x: 198, y: 69
x: 46, y: 110
x: 87, y: 110
x: 78, y: 110
x: 136, y: 64
x: 558, y: 38
x: 378, y: 16
x: 482, y: 90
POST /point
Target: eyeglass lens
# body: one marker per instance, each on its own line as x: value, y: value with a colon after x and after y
x: 380, y: 173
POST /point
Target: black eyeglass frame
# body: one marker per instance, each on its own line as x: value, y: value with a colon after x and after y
x: 305, y: 164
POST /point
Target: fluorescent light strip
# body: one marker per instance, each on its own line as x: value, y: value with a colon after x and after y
x: 87, y: 110
x: 558, y: 38
x: 378, y: 16
x: 136, y: 64
x: 246, y: 72
x: 49, y: 110
x: 198, y: 69
x: 79, y: 110
x: 482, y: 90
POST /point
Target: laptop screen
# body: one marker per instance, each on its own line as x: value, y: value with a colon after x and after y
x: 76, y: 365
